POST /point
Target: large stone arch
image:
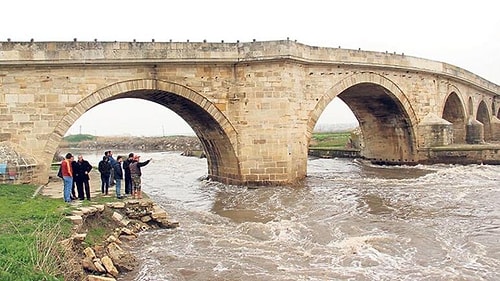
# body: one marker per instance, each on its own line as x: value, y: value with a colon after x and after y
x: 384, y: 112
x: 215, y: 131
x: 483, y: 115
x: 455, y: 113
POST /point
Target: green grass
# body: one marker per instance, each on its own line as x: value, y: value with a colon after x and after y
x: 30, y: 229
x: 338, y: 139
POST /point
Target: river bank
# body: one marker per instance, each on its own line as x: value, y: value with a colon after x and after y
x: 124, y: 143
x: 44, y: 238
x: 102, y: 228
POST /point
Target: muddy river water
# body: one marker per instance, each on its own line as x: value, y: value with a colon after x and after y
x: 349, y: 220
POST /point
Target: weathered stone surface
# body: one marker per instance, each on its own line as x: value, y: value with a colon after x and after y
x: 89, y: 252
x: 158, y: 213
x: 127, y: 231
x: 88, y: 210
x: 77, y: 220
x: 146, y: 204
x: 99, y: 208
x: 146, y: 218
x: 123, y: 260
x: 100, y: 250
x: 79, y: 237
x: 164, y: 223
x: 110, y: 267
x: 113, y: 239
x: 116, y: 205
x: 89, y: 265
x: 128, y: 237
x: 98, y: 265
x: 121, y: 219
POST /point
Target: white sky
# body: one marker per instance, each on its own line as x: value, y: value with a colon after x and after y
x: 462, y: 33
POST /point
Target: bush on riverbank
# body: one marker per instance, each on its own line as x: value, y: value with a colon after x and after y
x: 30, y: 231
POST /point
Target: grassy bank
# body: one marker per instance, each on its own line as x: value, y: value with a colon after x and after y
x: 30, y: 231
x: 331, y: 140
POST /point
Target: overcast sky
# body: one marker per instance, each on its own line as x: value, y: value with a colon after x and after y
x: 462, y: 33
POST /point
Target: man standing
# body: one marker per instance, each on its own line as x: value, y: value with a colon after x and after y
x: 81, y: 170
x: 135, y: 172
x: 128, y: 178
x: 112, y: 162
x: 105, y: 170
x: 117, y: 168
x: 67, y: 174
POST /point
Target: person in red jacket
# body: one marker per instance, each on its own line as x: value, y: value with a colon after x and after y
x: 67, y: 174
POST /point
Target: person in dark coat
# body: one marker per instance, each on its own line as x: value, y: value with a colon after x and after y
x: 105, y: 170
x: 128, y: 177
x: 117, y: 168
x: 81, y: 170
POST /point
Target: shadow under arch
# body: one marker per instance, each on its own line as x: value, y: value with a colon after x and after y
x: 385, y: 116
x: 454, y: 112
x: 483, y: 116
x: 217, y: 135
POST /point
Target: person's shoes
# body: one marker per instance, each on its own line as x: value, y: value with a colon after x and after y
x: 119, y: 197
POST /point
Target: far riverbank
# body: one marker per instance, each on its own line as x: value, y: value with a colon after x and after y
x: 125, y: 143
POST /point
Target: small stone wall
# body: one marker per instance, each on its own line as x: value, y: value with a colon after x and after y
x: 108, y: 259
x: 15, y: 167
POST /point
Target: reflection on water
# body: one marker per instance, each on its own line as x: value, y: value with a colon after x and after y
x: 348, y: 221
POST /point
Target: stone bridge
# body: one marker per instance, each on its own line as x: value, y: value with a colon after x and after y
x: 253, y: 105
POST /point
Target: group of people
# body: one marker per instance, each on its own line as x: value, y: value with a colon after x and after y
x: 75, y: 173
x: 111, y: 170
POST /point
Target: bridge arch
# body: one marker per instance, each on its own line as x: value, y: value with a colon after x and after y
x: 483, y: 115
x: 454, y: 112
x: 217, y: 135
x: 384, y: 113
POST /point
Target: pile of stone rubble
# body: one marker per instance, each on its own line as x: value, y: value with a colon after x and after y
x: 105, y: 261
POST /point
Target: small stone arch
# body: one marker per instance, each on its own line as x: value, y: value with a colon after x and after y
x: 215, y: 131
x: 454, y: 112
x: 483, y: 115
x: 389, y: 96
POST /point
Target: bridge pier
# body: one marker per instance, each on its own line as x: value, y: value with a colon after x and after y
x: 435, y: 131
x: 474, y: 131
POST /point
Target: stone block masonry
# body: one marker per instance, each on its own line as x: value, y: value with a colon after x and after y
x: 252, y: 105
